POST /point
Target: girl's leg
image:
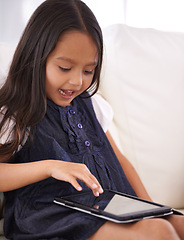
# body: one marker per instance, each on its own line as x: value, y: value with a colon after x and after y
x: 152, y: 229
x: 178, y: 223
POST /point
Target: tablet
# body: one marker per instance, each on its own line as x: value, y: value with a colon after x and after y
x: 114, y: 206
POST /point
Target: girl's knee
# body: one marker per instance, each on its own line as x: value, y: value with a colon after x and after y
x: 152, y: 229
x: 160, y: 229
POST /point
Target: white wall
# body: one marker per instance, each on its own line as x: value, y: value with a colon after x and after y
x: 159, y: 14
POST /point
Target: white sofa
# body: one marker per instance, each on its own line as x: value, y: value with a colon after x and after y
x: 143, y: 80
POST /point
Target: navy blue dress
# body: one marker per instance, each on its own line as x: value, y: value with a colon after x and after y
x: 70, y: 134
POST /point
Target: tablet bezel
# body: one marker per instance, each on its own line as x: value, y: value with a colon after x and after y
x: 161, y: 211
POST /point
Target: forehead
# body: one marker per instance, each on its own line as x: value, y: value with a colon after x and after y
x: 77, y: 46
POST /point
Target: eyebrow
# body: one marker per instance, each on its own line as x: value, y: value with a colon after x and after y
x: 71, y: 61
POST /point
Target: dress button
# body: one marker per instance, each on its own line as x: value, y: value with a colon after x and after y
x: 72, y: 111
x: 79, y: 125
x: 87, y: 143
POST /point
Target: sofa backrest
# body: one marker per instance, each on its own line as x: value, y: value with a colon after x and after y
x: 143, y: 80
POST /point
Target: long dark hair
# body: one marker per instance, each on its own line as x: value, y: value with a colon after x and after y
x: 23, y: 95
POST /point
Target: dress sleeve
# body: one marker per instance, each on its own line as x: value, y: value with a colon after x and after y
x: 103, y: 110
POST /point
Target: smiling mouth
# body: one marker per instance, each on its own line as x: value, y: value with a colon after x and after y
x: 66, y: 92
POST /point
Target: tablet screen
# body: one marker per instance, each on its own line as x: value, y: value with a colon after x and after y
x: 119, y: 205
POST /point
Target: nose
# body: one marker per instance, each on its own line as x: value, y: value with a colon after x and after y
x: 76, y: 79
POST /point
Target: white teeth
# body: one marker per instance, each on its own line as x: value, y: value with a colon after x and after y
x: 61, y: 91
x: 65, y: 92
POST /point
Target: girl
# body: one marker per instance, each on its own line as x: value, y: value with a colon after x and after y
x: 51, y: 142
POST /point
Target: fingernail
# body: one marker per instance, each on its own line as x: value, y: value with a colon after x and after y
x: 100, y: 190
x: 97, y: 194
x: 79, y: 188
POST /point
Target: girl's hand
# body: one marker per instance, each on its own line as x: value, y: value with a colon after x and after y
x: 71, y: 172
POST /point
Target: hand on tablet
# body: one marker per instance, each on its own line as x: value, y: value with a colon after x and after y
x: 71, y: 172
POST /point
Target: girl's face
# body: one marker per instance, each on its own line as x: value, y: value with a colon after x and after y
x: 70, y: 67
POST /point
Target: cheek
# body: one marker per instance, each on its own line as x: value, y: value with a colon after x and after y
x: 50, y: 83
x: 88, y: 82
x: 47, y: 82
x: 51, y: 77
x: 85, y: 85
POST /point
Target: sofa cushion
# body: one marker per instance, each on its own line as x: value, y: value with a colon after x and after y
x: 143, y: 80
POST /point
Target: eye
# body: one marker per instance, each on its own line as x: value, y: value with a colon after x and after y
x: 89, y: 72
x: 64, y: 69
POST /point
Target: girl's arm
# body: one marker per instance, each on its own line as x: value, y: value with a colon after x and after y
x: 130, y: 171
x: 13, y: 176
